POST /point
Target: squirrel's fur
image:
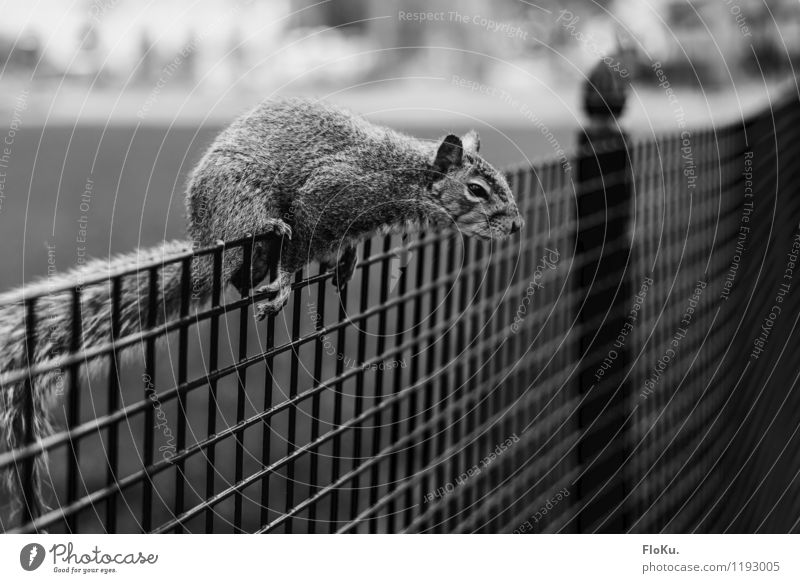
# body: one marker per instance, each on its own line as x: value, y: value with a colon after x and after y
x: 317, y: 178
x: 324, y: 179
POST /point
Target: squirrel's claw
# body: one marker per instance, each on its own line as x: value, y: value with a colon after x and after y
x: 283, y: 287
x: 263, y: 309
x: 341, y: 279
x: 279, y: 227
x: 344, y: 270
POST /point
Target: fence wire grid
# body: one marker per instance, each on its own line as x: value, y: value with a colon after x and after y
x: 598, y: 373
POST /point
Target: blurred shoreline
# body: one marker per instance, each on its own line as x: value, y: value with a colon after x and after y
x: 433, y: 101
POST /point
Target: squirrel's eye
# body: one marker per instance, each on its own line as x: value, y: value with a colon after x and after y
x: 478, y: 190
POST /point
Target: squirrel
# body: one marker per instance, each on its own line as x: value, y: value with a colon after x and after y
x: 322, y: 180
x: 318, y: 179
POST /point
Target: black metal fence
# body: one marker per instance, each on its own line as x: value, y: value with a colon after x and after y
x: 596, y: 373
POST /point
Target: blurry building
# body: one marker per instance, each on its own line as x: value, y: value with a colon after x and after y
x: 260, y: 44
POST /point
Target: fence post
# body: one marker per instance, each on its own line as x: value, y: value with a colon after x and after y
x: 602, y: 256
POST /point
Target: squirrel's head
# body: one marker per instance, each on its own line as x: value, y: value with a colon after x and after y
x: 474, y: 195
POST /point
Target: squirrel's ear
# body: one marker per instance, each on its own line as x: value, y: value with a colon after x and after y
x: 450, y: 153
x: 471, y: 141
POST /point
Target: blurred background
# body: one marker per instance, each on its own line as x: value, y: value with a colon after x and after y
x: 108, y: 103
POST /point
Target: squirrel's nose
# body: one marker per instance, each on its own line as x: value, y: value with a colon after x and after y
x: 516, y: 225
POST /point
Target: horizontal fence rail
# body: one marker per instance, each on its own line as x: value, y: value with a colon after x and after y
x: 627, y: 363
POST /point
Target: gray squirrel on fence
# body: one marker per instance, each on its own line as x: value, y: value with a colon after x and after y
x: 317, y: 178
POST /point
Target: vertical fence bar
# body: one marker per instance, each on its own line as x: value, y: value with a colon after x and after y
x: 74, y: 410
x: 517, y: 349
x: 503, y: 391
x: 497, y: 393
x: 411, y: 422
x: 150, y: 393
x: 266, y: 435
x: 29, y: 479
x: 527, y: 192
x: 337, y: 413
x: 445, y: 467
x: 113, y: 405
x: 485, y: 405
x: 381, y: 346
x: 603, y: 250
x: 213, y: 359
x: 471, y: 383
x: 241, y: 378
x: 457, y: 421
x: 430, y: 367
x: 313, y: 478
x: 183, y: 349
x: 293, y: 380
x: 359, y: 393
x: 397, y: 386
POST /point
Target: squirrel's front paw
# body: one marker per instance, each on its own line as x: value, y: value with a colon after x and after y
x: 280, y: 228
x: 344, y: 270
x: 342, y: 277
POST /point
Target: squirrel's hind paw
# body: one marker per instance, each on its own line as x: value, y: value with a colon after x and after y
x: 282, y: 286
x: 273, y: 306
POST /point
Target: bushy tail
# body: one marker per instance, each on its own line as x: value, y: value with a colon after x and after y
x: 53, y: 336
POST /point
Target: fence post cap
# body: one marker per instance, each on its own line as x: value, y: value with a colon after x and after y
x: 605, y: 94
